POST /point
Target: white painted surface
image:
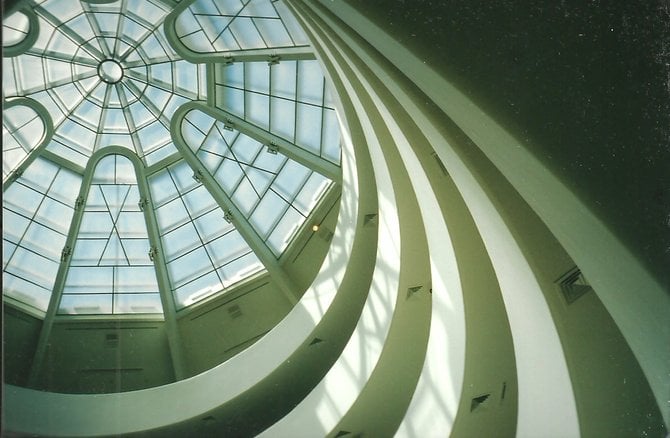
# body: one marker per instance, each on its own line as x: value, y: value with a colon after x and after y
x: 330, y: 400
x: 637, y: 302
x: 541, y: 366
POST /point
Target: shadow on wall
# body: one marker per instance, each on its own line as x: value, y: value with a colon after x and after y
x: 584, y: 85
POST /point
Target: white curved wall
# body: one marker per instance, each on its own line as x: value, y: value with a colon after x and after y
x: 618, y: 277
x: 539, y: 355
x: 324, y: 407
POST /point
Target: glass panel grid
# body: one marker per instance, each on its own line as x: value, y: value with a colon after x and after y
x: 109, y: 269
x: 266, y: 186
x: 213, y: 26
x: 37, y: 210
x: 110, y: 259
x: 288, y: 99
x: 197, y: 241
x: 22, y: 131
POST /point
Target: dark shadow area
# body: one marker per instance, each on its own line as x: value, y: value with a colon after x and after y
x: 583, y: 84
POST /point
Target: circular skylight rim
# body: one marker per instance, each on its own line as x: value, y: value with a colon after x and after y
x: 110, y: 71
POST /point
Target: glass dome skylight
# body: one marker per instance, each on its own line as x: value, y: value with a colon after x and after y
x: 155, y: 155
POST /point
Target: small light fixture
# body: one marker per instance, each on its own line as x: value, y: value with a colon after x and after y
x: 79, y: 202
x: 67, y: 252
x: 144, y: 202
x: 315, y: 227
x: 272, y: 148
x: 153, y: 253
x: 228, y: 125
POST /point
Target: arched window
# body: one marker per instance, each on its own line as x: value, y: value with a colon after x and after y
x: 23, y: 130
x: 19, y: 32
x: 110, y: 270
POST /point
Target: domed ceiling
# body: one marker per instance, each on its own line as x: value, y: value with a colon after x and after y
x: 156, y: 154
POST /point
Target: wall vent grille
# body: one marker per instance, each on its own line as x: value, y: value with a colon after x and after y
x: 479, y: 402
x: 370, y: 220
x: 111, y: 340
x: 325, y: 234
x: 234, y: 311
x: 412, y: 291
x: 573, y: 285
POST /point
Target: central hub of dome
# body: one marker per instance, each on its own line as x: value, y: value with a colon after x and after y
x: 110, y: 71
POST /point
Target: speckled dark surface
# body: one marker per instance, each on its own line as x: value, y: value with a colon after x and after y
x: 584, y: 83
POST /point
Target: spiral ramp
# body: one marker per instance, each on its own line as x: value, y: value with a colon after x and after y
x: 438, y: 308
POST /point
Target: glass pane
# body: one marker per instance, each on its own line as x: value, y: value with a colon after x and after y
x: 13, y: 226
x: 310, y: 193
x: 43, y: 241
x: 227, y: 248
x: 25, y: 291
x: 88, y: 251
x: 240, y: 269
x: 308, y: 128
x: 258, y: 109
x: 189, y: 266
x: 212, y: 225
x: 310, y: 83
x: 22, y: 199
x: 197, y: 290
x: 172, y: 215
x: 85, y: 305
x: 7, y: 251
x: 290, y: 179
x: 257, y: 77
x: 284, y: 79
x: 273, y: 32
x: 245, y: 197
x: 135, y: 279
x: 14, y: 29
x: 269, y: 210
x: 199, y: 201
x: 138, y: 303
x: 33, y: 267
x: 285, y: 231
x: 89, y: 280
x: 282, y: 122
x: 331, y: 137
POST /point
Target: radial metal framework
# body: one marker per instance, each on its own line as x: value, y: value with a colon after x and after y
x: 156, y: 155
